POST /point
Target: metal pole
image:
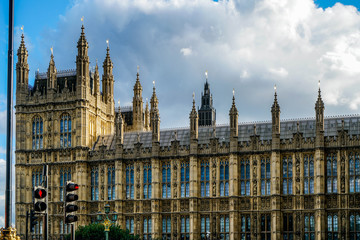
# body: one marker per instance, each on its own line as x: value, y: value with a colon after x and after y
x: 106, y: 235
x: 72, y: 232
x: 8, y: 192
x: 27, y: 225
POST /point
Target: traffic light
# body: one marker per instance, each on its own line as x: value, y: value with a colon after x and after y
x: 69, y: 205
x: 33, y: 220
x: 39, y: 196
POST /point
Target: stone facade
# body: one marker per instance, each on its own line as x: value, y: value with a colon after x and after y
x: 270, y: 180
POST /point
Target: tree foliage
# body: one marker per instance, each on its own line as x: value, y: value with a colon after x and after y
x: 96, y: 231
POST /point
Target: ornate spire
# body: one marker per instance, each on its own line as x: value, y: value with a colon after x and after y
x: 234, y: 115
x: 82, y: 66
x: 119, y: 127
x: 138, y: 119
x: 22, y: 67
x: 194, y: 121
x: 319, y: 111
x: 147, y: 116
x: 154, y: 100
x: 108, y: 78
x: 52, y: 80
x: 96, y: 79
x: 275, y: 112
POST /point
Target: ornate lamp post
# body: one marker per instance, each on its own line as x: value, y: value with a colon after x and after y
x: 106, y: 221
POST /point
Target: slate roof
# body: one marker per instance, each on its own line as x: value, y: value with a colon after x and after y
x: 263, y: 129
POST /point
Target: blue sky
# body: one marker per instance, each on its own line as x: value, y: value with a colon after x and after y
x: 175, y: 44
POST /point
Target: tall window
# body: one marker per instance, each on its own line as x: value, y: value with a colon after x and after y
x: 224, y: 178
x: 308, y: 174
x: 332, y: 227
x: 288, y: 226
x: 65, y: 175
x: 224, y: 227
x: 147, y: 182
x: 94, y: 184
x: 205, y: 179
x: 185, y: 228
x: 265, y: 227
x: 130, y: 224
x: 130, y: 182
x: 354, y: 226
x: 309, y: 227
x: 245, y: 230
x: 166, y: 181
x: 185, y: 180
x: 205, y: 227
x: 36, y: 178
x: 331, y: 166
x: 111, y: 183
x: 287, y: 175
x: 65, y: 131
x: 38, y: 230
x: 64, y: 229
x: 354, y: 172
x: 166, y: 228
x: 37, y: 133
x: 147, y: 228
x: 245, y: 178
x: 265, y: 176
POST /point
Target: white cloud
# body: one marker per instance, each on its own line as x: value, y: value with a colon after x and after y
x: 186, y: 51
x: 245, y: 44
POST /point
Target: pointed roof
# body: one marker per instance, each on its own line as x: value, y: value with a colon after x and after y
x: 22, y: 48
x: 82, y: 40
x: 154, y: 100
x: 233, y: 109
x: 275, y: 107
x: 137, y: 85
x: 107, y: 61
x: 319, y: 102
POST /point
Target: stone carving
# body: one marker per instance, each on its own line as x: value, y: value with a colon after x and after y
x: 184, y: 205
x: 342, y: 173
x: 224, y: 205
x: 205, y: 205
x: 166, y: 206
x: 297, y: 174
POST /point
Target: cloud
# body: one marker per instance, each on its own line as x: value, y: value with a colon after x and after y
x: 245, y: 44
x: 186, y: 51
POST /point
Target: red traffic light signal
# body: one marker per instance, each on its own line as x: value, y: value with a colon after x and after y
x: 71, y: 187
x: 40, y: 193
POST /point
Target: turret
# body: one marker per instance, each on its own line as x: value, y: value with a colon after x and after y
x: 233, y: 114
x: 207, y: 113
x: 319, y: 119
x: 22, y: 70
x: 194, y: 121
x: 147, y: 116
x: 108, y: 78
x: 154, y: 102
x: 138, y: 122
x: 51, y: 74
x: 275, y: 116
x: 119, y: 123
x: 82, y: 65
x: 96, y: 80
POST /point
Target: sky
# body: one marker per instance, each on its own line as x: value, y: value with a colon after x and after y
x: 246, y: 45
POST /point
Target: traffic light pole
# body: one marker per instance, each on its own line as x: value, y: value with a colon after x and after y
x: 72, y: 231
x: 27, y: 225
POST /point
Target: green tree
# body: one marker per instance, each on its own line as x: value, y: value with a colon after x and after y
x: 96, y: 231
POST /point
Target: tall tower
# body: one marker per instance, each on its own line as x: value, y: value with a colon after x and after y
x: 138, y: 118
x: 233, y: 113
x: 153, y: 105
x: 207, y: 113
x: 22, y: 71
x: 82, y: 66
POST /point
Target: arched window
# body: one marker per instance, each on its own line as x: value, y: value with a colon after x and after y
x: 224, y: 178
x: 166, y: 181
x: 331, y: 170
x: 130, y: 182
x: 354, y: 226
x: 287, y: 175
x: 332, y: 227
x: 111, y: 183
x: 37, y: 133
x: 265, y: 177
x: 65, y: 175
x: 65, y: 131
x: 185, y: 180
x: 354, y: 172
x: 245, y: 178
x: 308, y: 174
x: 147, y: 181
x: 95, y: 184
x: 205, y: 179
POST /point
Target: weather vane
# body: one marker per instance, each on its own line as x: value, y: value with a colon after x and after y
x: 193, y: 96
x: 206, y: 74
x: 319, y: 84
x: 275, y: 88
x: 233, y: 92
x: 137, y: 68
x: 154, y: 83
x: 22, y: 28
x: 119, y: 102
x: 52, y: 50
x: 82, y: 18
x: 107, y: 42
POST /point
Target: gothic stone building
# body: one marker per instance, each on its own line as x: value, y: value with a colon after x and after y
x: 273, y: 180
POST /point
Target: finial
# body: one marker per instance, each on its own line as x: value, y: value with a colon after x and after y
x: 154, y: 83
x: 146, y: 100
x: 255, y: 129
x: 22, y: 29
x: 82, y: 19
x: 233, y: 92
x: 298, y: 126
x: 119, y: 102
x: 275, y: 88
x: 319, y: 84
x: 96, y: 62
x: 206, y: 74
x: 52, y: 50
x: 193, y: 95
x: 137, y: 68
x: 107, y: 43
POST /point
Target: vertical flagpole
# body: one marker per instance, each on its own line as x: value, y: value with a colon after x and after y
x: 9, y: 125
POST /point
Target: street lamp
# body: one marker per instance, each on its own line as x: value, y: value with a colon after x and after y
x: 106, y: 221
